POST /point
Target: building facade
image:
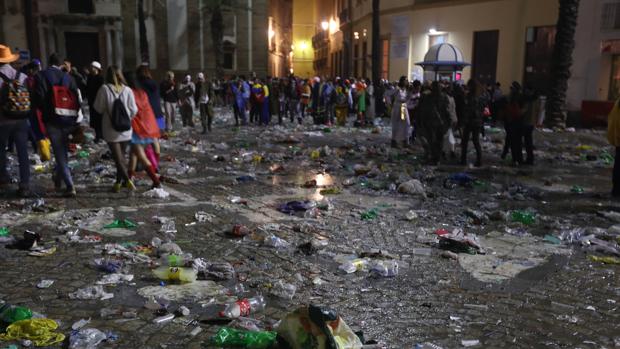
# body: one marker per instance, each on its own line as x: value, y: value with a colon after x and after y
x: 503, y: 40
x: 257, y: 34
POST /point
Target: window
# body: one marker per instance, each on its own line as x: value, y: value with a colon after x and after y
x: 229, y: 58
x: 437, y: 39
x: 611, y: 16
x: 81, y: 6
x: 385, y: 58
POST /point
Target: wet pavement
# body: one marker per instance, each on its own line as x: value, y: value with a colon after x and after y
x: 523, y: 293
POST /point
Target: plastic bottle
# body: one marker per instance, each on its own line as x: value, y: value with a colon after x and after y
x: 176, y: 274
x: 284, y: 290
x: 172, y: 260
x: 385, y: 268
x: 230, y: 337
x: 523, y: 217
x: 353, y: 265
x: 12, y: 313
x: 244, y: 307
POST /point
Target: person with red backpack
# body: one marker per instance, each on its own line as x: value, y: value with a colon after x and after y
x: 56, y: 95
x: 14, y: 114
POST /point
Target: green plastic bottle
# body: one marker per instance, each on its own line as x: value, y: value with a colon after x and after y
x: 229, y: 337
x: 11, y: 313
x: 523, y: 217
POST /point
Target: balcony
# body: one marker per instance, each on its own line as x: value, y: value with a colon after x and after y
x: 344, y: 16
x: 320, y: 40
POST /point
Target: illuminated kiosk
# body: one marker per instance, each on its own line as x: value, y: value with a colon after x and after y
x: 443, y: 62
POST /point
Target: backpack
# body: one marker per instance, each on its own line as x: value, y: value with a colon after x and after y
x: 14, y: 98
x: 64, y: 101
x: 118, y: 115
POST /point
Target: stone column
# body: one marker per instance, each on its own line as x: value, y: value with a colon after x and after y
x: 193, y: 36
x: 161, y: 32
x: 118, y: 50
x: 109, y: 57
x: 128, y: 13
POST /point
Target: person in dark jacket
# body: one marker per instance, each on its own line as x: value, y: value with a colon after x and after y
x: 169, y: 94
x: 15, y: 128
x: 204, y: 97
x: 471, y: 124
x: 58, y: 127
x: 434, y: 121
x: 93, y: 84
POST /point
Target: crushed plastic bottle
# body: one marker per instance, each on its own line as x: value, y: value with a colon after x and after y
x: 387, y: 268
x: 523, y: 217
x: 88, y: 338
x: 173, y: 260
x: 606, y: 260
x: 231, y: 338
x: 370, y: 215
x: 4, y: 231
x: 108, y: 265
x: 276, y: 242
x: 577, y: 189
x: 284, y: 290
x: 12, y: 313
x: 354, y: 265
x: 122, y: 224
x: 244, y: 307
x: 176, y: 274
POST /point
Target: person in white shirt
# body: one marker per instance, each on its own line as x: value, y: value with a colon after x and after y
x: 114, y: 88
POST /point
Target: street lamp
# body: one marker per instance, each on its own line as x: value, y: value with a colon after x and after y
x: 325, y: 25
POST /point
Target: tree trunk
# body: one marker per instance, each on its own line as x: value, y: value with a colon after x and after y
x: 217, y: 36
x: 144, y: 43
x: 561, y: 62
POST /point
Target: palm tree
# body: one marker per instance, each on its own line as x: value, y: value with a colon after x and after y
x: 561, y: 62
x: 376, y: 42
x: 217, y: 34
x: 144, y: 43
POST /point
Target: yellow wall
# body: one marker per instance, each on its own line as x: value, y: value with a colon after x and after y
x: 304, y: 24
x: 460, y: 20
x: 510, y: 17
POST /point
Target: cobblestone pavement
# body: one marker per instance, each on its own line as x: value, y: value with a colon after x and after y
x: 561, y: 299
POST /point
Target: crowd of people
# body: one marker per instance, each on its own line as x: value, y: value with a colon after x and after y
x: 131, y: 111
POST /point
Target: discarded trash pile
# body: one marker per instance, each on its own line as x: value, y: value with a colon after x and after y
x: 299, y: 237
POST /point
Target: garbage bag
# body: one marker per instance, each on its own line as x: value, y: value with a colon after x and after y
x: 295, y: 206
x: 317, y: 328
x: 44, y: 149
x: 39, y: 331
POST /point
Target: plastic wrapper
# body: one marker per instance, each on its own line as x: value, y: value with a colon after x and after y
x: 87, y: 338
x: 232, y: 338
x: 39, y: 331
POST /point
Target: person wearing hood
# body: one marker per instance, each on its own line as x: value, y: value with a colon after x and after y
x: 94, y: 82
x: 186, y: 101
x: 401, y: 123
